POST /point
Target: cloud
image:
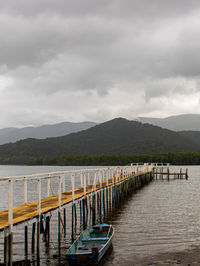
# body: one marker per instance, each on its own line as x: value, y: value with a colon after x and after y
x: 81, y: 60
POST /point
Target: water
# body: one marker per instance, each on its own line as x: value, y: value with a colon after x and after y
x: 161, y: 217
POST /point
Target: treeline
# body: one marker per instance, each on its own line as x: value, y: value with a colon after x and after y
x: 182, y: 158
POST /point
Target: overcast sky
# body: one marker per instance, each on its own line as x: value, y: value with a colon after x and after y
x: 78, y: 60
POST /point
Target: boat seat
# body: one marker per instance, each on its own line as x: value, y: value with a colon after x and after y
x: 95, y: 239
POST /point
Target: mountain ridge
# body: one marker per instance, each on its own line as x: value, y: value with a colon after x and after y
x: 117, y: 136
x: 177, y: 122
x: 13, y: 134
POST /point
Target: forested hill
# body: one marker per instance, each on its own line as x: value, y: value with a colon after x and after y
x: 118, y: 136
x: 193, y: 136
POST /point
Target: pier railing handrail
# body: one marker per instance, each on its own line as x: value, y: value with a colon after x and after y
x: 56, y: 173
x: 87, y: 177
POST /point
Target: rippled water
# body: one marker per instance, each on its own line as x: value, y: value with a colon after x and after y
x: 163, y: 216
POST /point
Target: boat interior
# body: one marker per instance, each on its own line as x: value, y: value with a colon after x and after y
x: 92, y: 239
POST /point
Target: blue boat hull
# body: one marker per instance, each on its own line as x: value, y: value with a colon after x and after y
x: 89, y: 257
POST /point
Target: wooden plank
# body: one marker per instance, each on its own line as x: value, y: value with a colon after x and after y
x: 29, y: 211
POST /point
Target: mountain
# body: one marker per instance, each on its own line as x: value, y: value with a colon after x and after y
x: 13, y: 134
x: 176, y: 123
x: 113, y: 137
x: 193, y: 136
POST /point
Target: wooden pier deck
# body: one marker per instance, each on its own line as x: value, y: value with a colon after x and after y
x: 29, y: 211
x: 97, y: 193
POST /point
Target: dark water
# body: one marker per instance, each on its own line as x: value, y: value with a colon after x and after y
x: 163, y: 216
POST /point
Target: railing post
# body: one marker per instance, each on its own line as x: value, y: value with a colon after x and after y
x: 72, y: 183
x: 39, y: 196
x: 48, y: 185
x: 84, y: 181
x: 59, y: 192
x: 118, y: 175
x: 95, y: 180
x: 63, y: 182
x: 100, y: 178
x: 88, y: 175
x: 25, y: 189
x: 81, y: 178
x: 10, y: 203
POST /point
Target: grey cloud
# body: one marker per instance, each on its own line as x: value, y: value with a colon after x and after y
x: 112, y: 8
x: 112, y: 55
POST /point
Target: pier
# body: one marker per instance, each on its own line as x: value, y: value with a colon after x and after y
x: 89, y: 195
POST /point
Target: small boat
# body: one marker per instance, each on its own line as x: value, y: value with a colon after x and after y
x: 91, y: 245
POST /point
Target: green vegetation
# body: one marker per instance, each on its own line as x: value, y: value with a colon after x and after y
x: 182, y: 158
x: 118, y: 136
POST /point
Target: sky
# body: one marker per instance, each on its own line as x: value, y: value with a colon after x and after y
x: 94, y: 60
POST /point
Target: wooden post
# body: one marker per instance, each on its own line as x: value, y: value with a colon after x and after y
x: 86, y: 209
x: 48, y: 185
x: 64, y: 221
x: 10, y: 203
x: 83, y: 210
x: 168, y: 173
x: 81, y: 218
x: 59, y: 232
x: 38, y: 242
x: 47, y: 230
x: 59, y: 212
x: 33, y: 238
x: 100, y: 205
x: 104, y: 211
x: 75, y: 218
x: 38, y: 220
x: 10, y: 246
x: 26, y: 241
x: 186, y: 174
x: 94, y: 208
x: 5, y: 247
x: 10, y: 220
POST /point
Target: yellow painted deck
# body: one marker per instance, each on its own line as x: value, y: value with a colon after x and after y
x: 28, y: 211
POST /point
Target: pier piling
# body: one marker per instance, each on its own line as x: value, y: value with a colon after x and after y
x: 100, y: 194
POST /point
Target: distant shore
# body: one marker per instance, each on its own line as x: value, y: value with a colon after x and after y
x: 179, y: 158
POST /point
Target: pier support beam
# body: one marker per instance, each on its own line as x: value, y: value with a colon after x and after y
x: 59, y: 230
x: 26, y: 241
x: 10, y: 247
x: 5, y: 248
x: 38, y: 242
x: 33, y: 238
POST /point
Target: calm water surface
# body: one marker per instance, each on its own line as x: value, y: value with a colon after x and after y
x: 162, y: 216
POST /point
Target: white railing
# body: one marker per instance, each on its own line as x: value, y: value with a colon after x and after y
x: 67, y: 179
